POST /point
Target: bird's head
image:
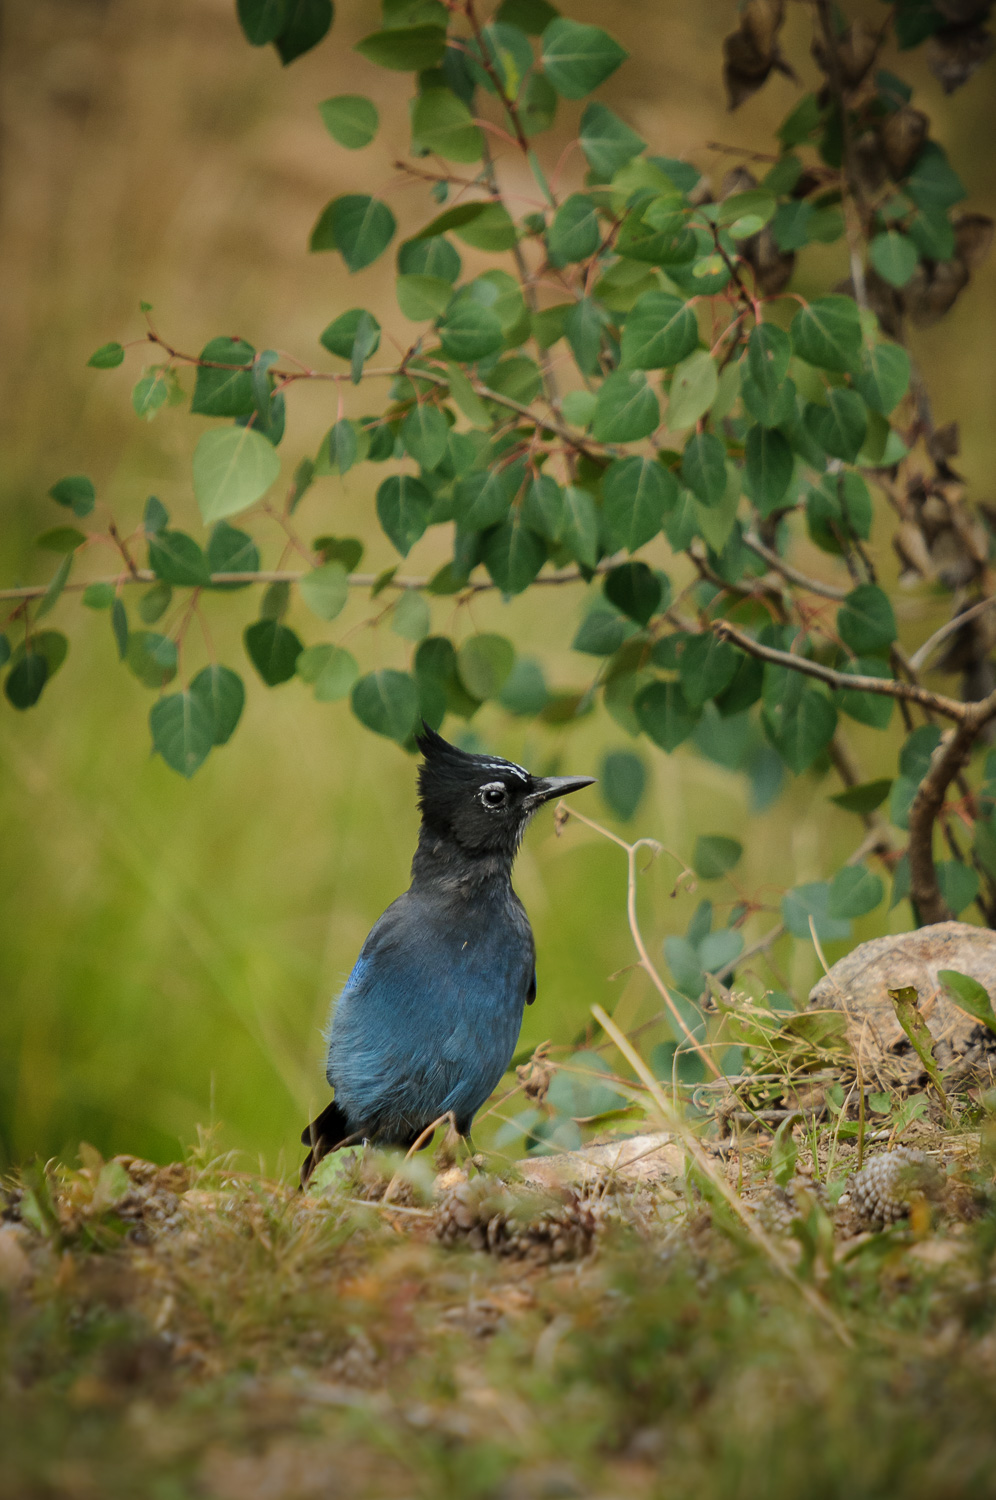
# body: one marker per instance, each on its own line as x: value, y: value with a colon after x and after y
x: 481, y: 802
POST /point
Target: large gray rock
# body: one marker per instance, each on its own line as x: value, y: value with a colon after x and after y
x: 859, y: 986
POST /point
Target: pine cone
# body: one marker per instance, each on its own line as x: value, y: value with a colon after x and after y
x: 521, y: 1226
x: 891, y: 1185
x: 782, y: 1208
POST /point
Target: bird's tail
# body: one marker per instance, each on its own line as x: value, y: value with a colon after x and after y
x: 326, y: 1133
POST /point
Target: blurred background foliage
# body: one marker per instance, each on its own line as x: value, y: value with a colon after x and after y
x: 168, y: 949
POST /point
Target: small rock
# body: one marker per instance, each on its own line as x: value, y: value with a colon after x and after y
x: 859, y: 985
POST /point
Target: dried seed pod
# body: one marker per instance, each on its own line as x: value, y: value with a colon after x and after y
x: 957, y: 52
x: 973, y: 239
x: 892, y: 1184
x: 750, y: 52
x: 903, y: 133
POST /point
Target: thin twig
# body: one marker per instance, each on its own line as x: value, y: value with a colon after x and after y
x: 634, y: 926
x: 793, y: 575
x: 922, y: 655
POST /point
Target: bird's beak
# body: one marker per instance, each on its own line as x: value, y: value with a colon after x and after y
x: 557, y: 786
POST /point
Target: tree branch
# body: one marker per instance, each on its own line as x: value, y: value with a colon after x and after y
x: 814, y: 585
x: 355, y: 580
x: 951, y: 755
x: 886, y: 687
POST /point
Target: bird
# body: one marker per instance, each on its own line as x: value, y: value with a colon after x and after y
x: 428, y: 1020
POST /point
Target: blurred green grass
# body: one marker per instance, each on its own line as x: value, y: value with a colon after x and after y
x: 169, y: 950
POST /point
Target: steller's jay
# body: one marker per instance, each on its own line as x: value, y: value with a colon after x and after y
x: 428, y: 1020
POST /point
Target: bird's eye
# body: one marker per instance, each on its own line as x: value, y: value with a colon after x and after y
x: 495, y: 794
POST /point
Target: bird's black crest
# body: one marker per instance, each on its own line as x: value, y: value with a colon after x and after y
x: 448, y: 779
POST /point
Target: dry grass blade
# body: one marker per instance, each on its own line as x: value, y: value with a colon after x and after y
x: 673, y: 1121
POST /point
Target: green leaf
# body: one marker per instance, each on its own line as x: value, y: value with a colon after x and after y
x: 745, y: 214
x: 531, y: 16
x: 56, y: 585
x: 865, y: 798
x: 484, y: 497
x: 543, y: 507
x: 577, y: 58
x: 26, y: 679
x: 576, y: 231
x: 76, y: 492
x: 664, y: 714
x: 905, y: 1004
x: 524, y: 692
x: 425, y: 434
x: 387, y: 703
x: 622, y: 781
x: 580, y: 529
x: 410, y: 618
x: 841, y: 425
x: 119, y: 625
x: 435, y: 257
x: 177, y: 559
x: 483, y: 665
x: 152, y: 657
x: 233, y: 468
x: 693, y: 390
x: 331, y: 670
x: 423, y: 297
x: 800, y: 720
x: 486, y: 226
x: 325, y: 590
x: 273, y: 650
x: 403, y: 507
x: 703, y: 467
x: 358, y: 226
x: 865, y: 620
x: 262, y: 20
x: 583, y: 325
x: 155, y: 517
x: 350, y: 119
x: 635, y: 494
x: 152, y: 391
x: 813, y: 900
x: 155, y: 602
x: 635, y: 590
x: 182, y: 731
x: 707, y: 667
x: 894, y: 257
x: 769, y: 350
x: 225, y: 393
x: 827, y: 333
x: 442, y: 123
x: 355, y: 336
x: 578, y: 407
x: 660, y: 330
x: 606, y: 141
x: 231, y: 551
x: 841, y: 507
x: 470, y: 331
x: 601, y: 632
x: 933, y: 183
x: 884, y: 377
x: 407, y: 49
x: 714, y: 855
x: 107, y: 357
x: 307, y: 23
x: 60, y: 539
x: 518, y: 378
x: 95, y: 596
x: 969, y: 995
x: 347, y: 550
x: 513, y: 554
x: 768, y: 467
x: 627, y: 408
x: 959, y: 884
x: 854, y: 892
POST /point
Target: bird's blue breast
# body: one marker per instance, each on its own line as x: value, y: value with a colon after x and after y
x: 429, y: 1018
